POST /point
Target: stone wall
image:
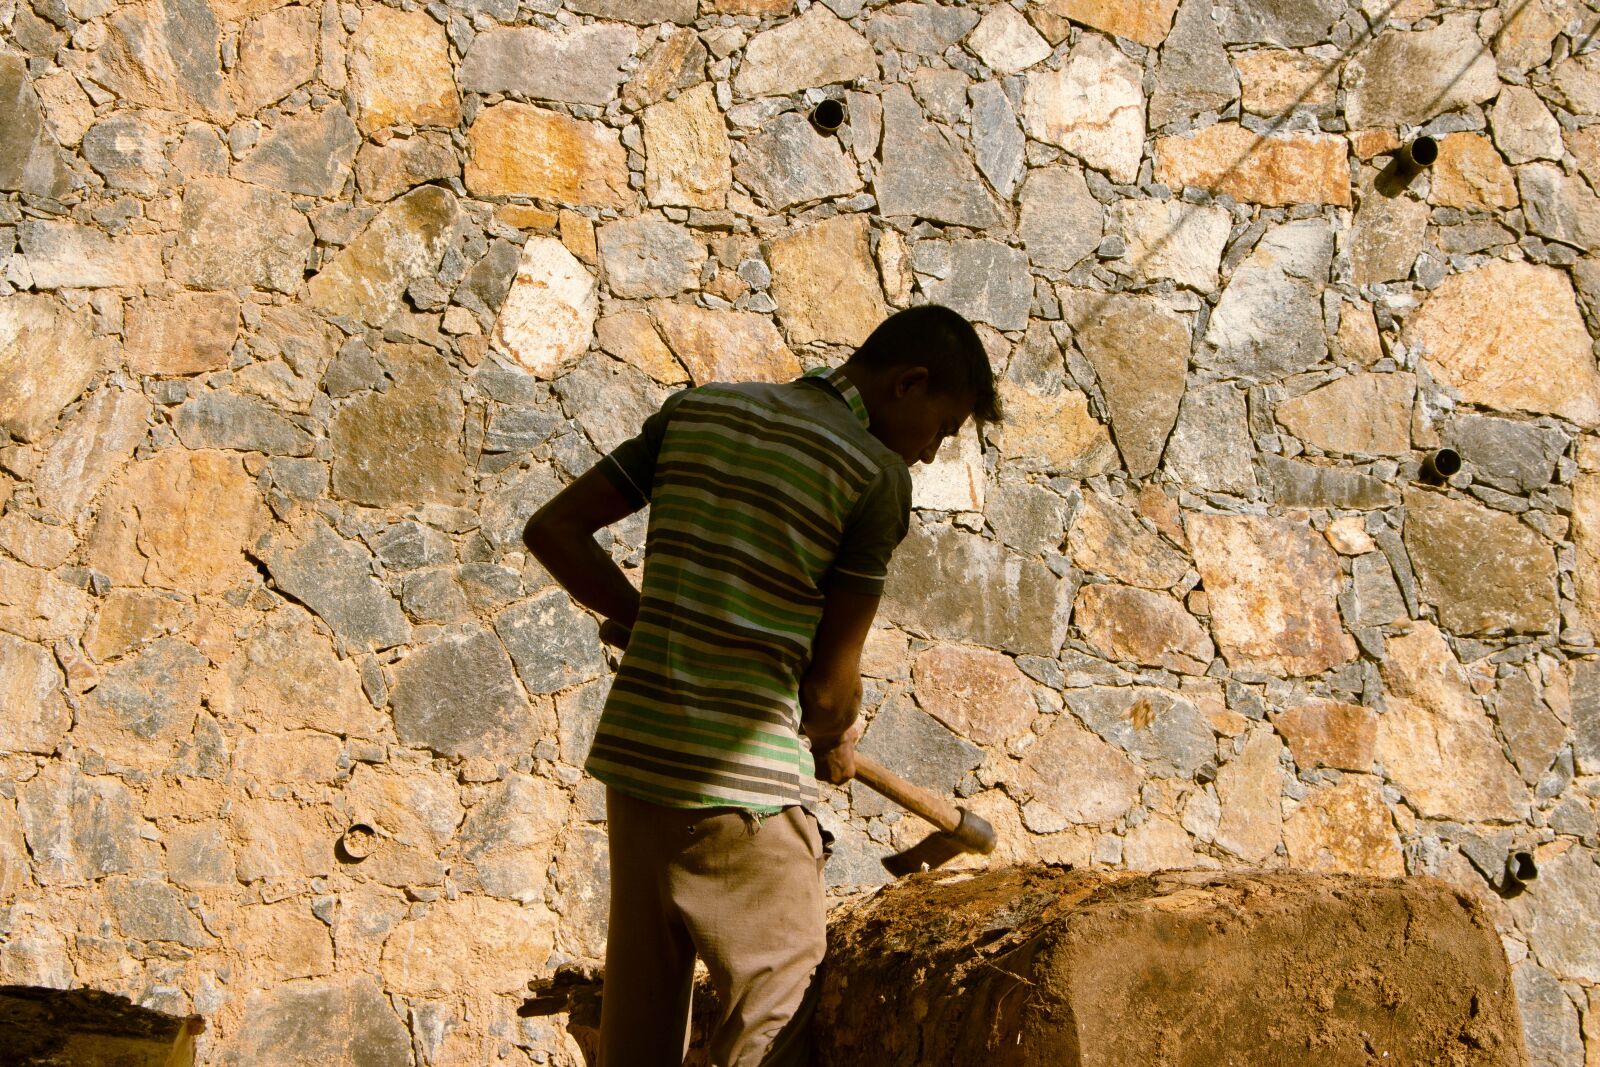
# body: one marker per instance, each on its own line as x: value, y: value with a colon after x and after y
x: 303, y: 308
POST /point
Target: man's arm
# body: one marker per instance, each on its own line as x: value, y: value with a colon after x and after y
x: 561, y: 537
x: 830, y: 692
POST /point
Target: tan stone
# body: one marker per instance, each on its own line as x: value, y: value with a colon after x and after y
x: 281, y: 840
x: 164, y: 55
x: 286, y: 674
x: 1272, y: 585
x: 33, y: 710
x: 1345, y: 828
x: 1470, y: 173
x: 400, y: 71
x: 129, y: 617
x: 631, y: 336
x: 179, y: 520
x: 66, y: 107
x: 1055, y: 432
x: 1364, y: 414
x: 1159, y: 844
x: 1509, y: 336
x: 403, y: 243
x: 547, y: 320
x: 1142, y: 626
x: 1435, y: 741
x: 1273, y: 81
x: 687, y: 155
x: 403, y: 446
x: 1327, y: 733
x: 1103, y: 783
x: 1295, y: 168
x: 675, y: 61
x: 817, y: 48
x: 527, y: 217
x: 724, y: 346
x: 37, y: 605
x: 1093, y: 107
x: 1249, y: 788
x: 1349, y: 537
x: 264, y: 760
x: 1106, y: 538
x: 283, y: 941
x: 522, y: 150
x: 978, y: 693
x: 385, y: 171
x: 1139, y: 348
x: 190, y: 333
x: 409, y: 802
x: 38, y: 544
x: 501, y: 943
x: 46, y: 360
x: 1358, y: 340
x: 824, y: 282
x: 1586, y: 541
x: 1368, y: 144
x: 277, y: 53
x: 1144, y: 21
x: 1483, y: 570
x: 578, y: 237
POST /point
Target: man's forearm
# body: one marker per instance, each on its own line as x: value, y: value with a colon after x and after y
x: 825, y: 716
x: 584, y: 569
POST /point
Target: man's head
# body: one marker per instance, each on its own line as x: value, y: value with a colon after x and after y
x: 922, y: 373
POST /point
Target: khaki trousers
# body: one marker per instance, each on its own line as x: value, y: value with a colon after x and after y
x: 742, y: 891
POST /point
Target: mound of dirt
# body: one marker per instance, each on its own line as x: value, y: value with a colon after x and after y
x: 1037, y: 965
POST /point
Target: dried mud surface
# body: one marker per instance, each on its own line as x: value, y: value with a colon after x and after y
x: 1034, y: 965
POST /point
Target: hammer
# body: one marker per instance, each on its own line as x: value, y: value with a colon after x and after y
x: 959, y: 829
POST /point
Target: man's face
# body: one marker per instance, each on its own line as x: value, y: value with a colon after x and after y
x: 918, y: 421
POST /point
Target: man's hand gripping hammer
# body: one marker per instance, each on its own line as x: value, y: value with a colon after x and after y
x: 959, y: 829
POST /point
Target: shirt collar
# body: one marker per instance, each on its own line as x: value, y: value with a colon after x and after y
x: 841, y: 383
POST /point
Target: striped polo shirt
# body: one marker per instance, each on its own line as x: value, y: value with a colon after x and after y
x: 762, y: 497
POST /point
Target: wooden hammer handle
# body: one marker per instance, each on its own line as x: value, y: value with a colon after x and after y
x: 936, y: 809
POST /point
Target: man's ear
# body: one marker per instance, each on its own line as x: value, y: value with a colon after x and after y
x: 909, y: 379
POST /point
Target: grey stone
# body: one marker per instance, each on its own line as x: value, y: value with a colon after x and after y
x: 857, y: 859
x: 428, y: 707
x: 154, y: 695
x: 489, y: 279
x: 1291, y: 23
x: 1517, y: 457
x: 1373, y: 598
x: 1307, y: 485
x: 1139, y: 348
x: 583, y: 891
x: 232, y: 235
x: 1549, y: 1020
x: 78, y: 828
x: 1586, y: 715
x: 645, y: 257
x: 333, y: 577
x: 922, y: 28
x: 309, y: 153
x: 433, y: 595
x: 149, y: 909
x: 1386, y: 236
x: 917, y: 746
x: 609, y: 399
x: 961, y: 587
x: 128, y: 149
x: 1194, y: 74
x: 925, y: 171
x: 30, y: 159
x: 165, y: 54
x: 577, y: 65
x: 1210, y: 448
x: 383, y: 172
x: 305, y: 479
x: 1483, y: 570
x: 403, y: 446
x: 1408, y: 78
x: 1177, y: 741
x: 1532, y: 733
x: 1061, y: 220
x: 578, y: 717
x: 1029, y: 518
x: 509, y: 502
x: 402, y: 244
x: 489, y: 586
x: 812, y: 50
x: 1572, y: 816
x: 343, y: 1020
x: 997, y: 139
x: 554, y: 643
x: 788, y: 162
x: 1559, y: 917
x: 1268, y: 323
x: 519, y: 429
x: 984, y: 280
x: 240, y: 423
x: 198, y: 854
x: 1472, y: 237
x: 638, y: 12
x: 943, y: 93
x: 1559, y: 207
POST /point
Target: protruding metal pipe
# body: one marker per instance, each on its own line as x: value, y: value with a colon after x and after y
x: 1439, y: 465
x: 1521, y: 868
x: 828, y: 116
x: 358, y: 842
x: 1411, y: 160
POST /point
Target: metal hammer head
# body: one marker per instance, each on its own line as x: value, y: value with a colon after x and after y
x: 972, y: 834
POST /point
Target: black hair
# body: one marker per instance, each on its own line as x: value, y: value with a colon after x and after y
x: 939, y: 339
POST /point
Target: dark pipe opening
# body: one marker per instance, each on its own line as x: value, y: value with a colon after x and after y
x: 1438, y: 466
x: 828, y: 116
x: 357, y: 843
x: 1520, y: 867
x: 1411, y: 160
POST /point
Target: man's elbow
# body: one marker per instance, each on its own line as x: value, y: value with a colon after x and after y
x: 827, y: 708
x: 542, y: 532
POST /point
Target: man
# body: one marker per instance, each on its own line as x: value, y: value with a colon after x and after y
x: 774, y: 509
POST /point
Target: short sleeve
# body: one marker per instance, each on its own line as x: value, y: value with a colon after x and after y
x: 876, y: 526
x: 631, y: 466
